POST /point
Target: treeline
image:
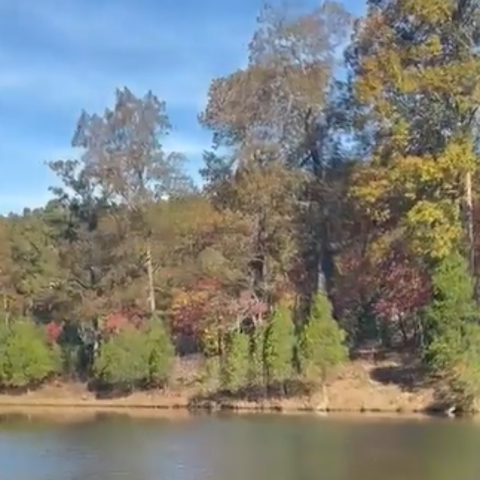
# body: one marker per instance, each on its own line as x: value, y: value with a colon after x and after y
x: 348, y: 179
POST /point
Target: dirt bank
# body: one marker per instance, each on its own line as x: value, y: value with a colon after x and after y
x: 389, y: 386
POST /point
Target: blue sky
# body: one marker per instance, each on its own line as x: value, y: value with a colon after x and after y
x: 59, y: 56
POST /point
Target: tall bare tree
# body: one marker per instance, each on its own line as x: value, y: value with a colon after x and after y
x: 123, y: 154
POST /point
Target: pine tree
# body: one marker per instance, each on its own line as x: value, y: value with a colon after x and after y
x: 278, y: 347
x: 452, y: 347
x: 321, y: 343
x: 235, y: 365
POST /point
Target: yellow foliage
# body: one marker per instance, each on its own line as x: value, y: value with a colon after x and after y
x: 210, y: 340
x: 369, y: 186
x: 422, y: 194
x: 432, y: 11
x: 433, y: 229
x: 412, y: 87
x: 379, y: 247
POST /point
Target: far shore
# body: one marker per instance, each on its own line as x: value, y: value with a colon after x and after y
x: 361, y: 388
x: 63, y: 411
x: 61, y: 403
x: 78, y: 413
x: 173, y: 405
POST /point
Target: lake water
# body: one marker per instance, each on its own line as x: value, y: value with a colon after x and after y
x: 239, y: 448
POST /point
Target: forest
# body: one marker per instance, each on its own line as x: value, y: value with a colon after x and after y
x: 338, y: 209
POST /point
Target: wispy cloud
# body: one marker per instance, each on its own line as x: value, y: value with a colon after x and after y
x: 60, y: 56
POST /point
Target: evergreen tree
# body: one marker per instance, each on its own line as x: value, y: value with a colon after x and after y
x: 452, y: 347
x: 161, y: 353
x: 235, y: 365
x: 278, y: 347
x: 321, y: 343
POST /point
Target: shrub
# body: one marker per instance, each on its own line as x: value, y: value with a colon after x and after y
x: 26, y: 358
x: 123, y: 360
x: 135, y: 357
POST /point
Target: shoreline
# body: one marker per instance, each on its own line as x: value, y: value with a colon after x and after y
x: 184, y: 409
x: 357, y: 390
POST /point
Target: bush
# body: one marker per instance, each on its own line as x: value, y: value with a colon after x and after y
x: 135, y: 357
x: 278, y: 346
x: 235, y: 364
x: 26, y: 358
x: 321, y: 343
x: 123, y: 360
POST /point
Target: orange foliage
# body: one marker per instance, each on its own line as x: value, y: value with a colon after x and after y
x: 190, y: 306
x: 116, y: 321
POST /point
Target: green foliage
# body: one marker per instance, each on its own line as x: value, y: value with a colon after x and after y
x: 455, y: 358
x: 256, y: 367
x: 161, y: 353
x: 321, y: 344
x: 26, y: 359
x: 123, y: 360
x: 452, y: 348
x: 235, y: 364
x: 453, y: 298
x: 407, y: 83
x: 453, y: 289
x: 278, y: 346
x: 211, y: 374
x: 289, y: 202
x: 135, y: 357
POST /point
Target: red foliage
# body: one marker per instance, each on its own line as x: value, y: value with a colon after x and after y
x: 404, y: 288
x: 190, y: 306
x: 394, y: 286
x: 207, y: 303
x: 246, y: 306
x: 116, y: 321
x: 356, y: 283
x: 53, y: 331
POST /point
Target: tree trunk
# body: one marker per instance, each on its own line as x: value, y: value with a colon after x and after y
x: 5, y: 309
x: 151, y: 286
x: 469, y: 220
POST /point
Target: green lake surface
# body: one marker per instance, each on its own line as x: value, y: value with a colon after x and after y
x: 252, y: 447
